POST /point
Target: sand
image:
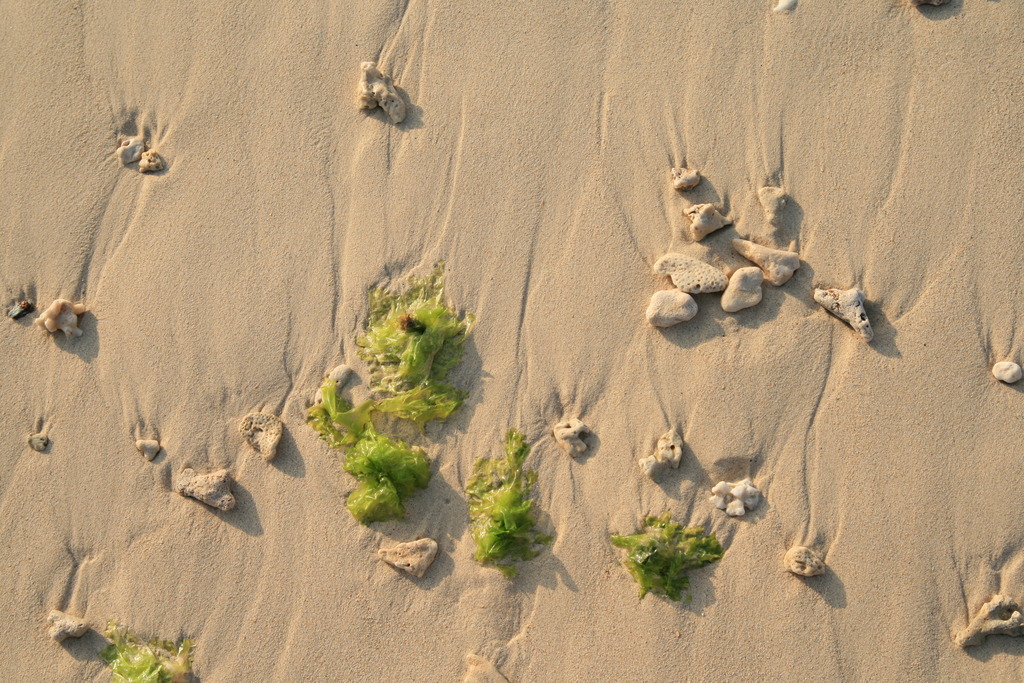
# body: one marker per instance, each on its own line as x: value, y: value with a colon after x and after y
x: 535, y: 160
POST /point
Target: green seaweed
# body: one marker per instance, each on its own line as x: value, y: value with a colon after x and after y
x: 660, y: 556
x: 132, y: 660
x: 502, y: 518
x: 389, y: 470
x: 412, y: 341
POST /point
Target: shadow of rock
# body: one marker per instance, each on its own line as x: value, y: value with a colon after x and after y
x: 86, y: 347
x: 884, y: 341
x: 86, y: 647
x: 829, y: 586
x: 289, y: 459
x: 244, y: 515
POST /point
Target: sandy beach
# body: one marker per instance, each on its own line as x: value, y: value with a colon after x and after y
x: 534, y: 160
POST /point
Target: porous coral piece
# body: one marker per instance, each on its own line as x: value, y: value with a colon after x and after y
x: 377, y: 90
x: 213, y: 489
x: 479, y: 670
x: 62, y: 315
x: 685, y: 179
x: 414, y: 557
x: 690, y: 275
x: 569, y: 436
x: 772, y: 199
x: 778, y: 265
x: 1006, y: 371
x: 38, y: 442
x: 704, y: 220
x: 803, y: 561
x: 65, y: 626
x: 999, y: 616
x: 735, y: 497
x: 670, y: 307
x: 263, y: 432
x: 151, y: 162
x: 669, y: 451
x: 743, y: 291
x: 148, y: 447
x: 130, y: 150
x: 848, y: 306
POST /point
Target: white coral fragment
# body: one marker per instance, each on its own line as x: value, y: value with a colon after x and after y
x: 569, y: 436
x: 704, y: 220
x: 803, y: 561
x: 668, y: 452
x: 735, y: 497
x: 999, y: 616
x: 685, y: 179
x: 1006, y: 371
x: 414, y: 557
x: 670, y: 307
x: 263, y: 432
x: 148, y: 447
x: 690, y: 275
x: 130, y: 150
x: 377, y: 90
x: 778, y: 265
x: 213, y: 489
x: 38, y: 442
x: 848, y: 306
x: 479, y: 670
x: 65, y: 626
x: 744, y: 290
x: 62, y: 315
x: 151, y: 162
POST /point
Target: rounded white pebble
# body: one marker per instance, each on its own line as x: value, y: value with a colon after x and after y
x: 1005, y: 371
x: 670, y: 307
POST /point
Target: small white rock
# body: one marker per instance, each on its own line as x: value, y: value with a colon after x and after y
x: 131, y: 150
x: 704, y: 220
x: 803, y: 561
x: 65, y: 626
x: 414, y: 557
x: 670, y: 307
x: 684, y: 179
x: 148, y: 447
x: 38, y: 442
x: 340, y: 374
x: 778, y: 265
x: 1006, y: 371
x: 735, y: 497
x: 690, y: 275
x: 213, y: 489
x: 744, y: 290
x: 668, y: 452
x: 848, y: 306
x: 569, y: 436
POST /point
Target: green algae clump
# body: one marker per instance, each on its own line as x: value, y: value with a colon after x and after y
x: 389, y: 471
x: 131, y: 660
x: 660, y: 556
x: 413, y: 340
x: 501, y: 514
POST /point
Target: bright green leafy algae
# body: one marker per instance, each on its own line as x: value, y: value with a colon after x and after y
x: 389, y: 470
x: 502, y: 518
x: 157, y: 661
x: 659, y: 557
x: 412, y: 341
